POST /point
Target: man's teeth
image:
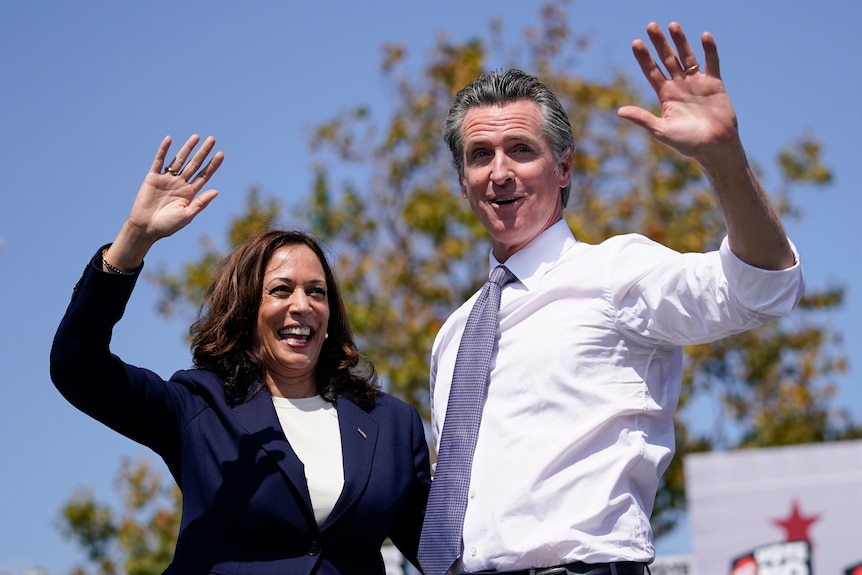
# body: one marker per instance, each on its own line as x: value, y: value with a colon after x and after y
x: 502, y: 201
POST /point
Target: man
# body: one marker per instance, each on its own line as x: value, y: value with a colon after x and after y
x: 577, y: 424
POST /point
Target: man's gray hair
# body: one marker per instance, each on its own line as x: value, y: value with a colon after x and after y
x: 498, y: 88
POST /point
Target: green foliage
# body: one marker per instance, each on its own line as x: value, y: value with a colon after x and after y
x: 802, y: 163
x: 410, y: 251
x: 139, y: 539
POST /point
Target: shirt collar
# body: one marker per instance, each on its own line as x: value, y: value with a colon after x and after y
x: 531, y: 262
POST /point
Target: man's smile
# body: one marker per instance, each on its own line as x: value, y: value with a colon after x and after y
x: 505, y: 201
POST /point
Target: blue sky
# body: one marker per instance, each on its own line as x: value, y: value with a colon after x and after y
x: 90, y: 88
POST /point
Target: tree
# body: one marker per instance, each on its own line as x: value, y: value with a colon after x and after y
x: 137, y: 540
x: 408, y: 251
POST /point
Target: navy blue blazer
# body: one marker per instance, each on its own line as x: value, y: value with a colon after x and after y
x: 246, y: 507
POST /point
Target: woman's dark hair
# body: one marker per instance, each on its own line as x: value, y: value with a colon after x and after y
x: 223, y: 335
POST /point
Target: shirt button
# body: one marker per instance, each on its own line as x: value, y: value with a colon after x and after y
x: 314, y: 548
x: 472, y: 494
x: 473, y: 551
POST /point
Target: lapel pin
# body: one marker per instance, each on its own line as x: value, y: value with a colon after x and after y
x: 362, y: 433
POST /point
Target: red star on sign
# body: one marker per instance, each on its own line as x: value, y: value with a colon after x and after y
x: 797, y: 524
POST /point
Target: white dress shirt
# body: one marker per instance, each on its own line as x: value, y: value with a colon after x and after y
x: 578, y: 425
x: 311, y: 426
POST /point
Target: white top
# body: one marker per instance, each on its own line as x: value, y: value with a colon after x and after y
x: 578, y: 424
x: 311, y: 427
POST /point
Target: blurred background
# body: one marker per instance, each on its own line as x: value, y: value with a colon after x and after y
x: 91, y: 87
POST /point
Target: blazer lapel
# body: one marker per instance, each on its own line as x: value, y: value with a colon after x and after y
x: 358, y: 442
x: 258, y: 416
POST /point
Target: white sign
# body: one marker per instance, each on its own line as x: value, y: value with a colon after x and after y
x: 778, y: 511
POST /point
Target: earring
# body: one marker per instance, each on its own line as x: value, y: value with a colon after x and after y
x: 325, y: 335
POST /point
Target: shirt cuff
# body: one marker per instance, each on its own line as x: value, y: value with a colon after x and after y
x: 773, y: 292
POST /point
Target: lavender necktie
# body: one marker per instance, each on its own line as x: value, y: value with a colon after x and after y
x: 440, y: 543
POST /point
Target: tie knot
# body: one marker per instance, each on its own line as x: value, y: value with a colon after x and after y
x: 501, y: 276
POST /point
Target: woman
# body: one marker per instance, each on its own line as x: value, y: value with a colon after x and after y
x: 289, y: 458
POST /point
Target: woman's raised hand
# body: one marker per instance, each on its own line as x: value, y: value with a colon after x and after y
x: 169, y: 198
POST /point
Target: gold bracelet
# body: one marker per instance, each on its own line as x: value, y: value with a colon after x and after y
x: 112, y: 268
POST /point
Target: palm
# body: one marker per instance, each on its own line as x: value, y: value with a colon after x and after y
x: 695, y: 115
x: 697, y: 118
x: 167, y: 202
x: 163, y: 205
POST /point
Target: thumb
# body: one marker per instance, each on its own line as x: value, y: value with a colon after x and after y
x: 201, y: 201
x: 640, y: 117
